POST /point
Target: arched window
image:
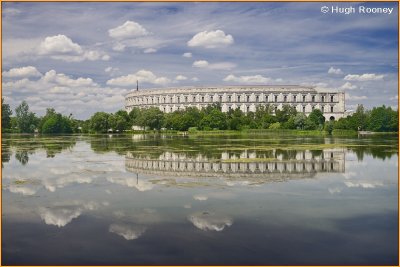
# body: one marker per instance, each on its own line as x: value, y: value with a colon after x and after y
x: 304, y: 98
x: 229, y: 98
x: 331, y: 109
x: 202, y: 99
x: 323, y: 98
x: 304, y: 108
x: 220, y: 98
x: 331, y: 98
x: 239, y: 98
x: 294, y: 98
x: 276, y: 98
x: 285, y: 98
x: 313, y: 98
x: 186, y: 98
x: 248, y: 98
x: 257, y: 98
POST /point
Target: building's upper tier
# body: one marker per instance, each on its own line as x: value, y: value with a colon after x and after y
x: 232, y: 89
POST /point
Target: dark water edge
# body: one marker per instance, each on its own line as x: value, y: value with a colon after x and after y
x: 169, y: 244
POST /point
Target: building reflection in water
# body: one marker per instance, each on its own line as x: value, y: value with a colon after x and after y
x: 300, y: 164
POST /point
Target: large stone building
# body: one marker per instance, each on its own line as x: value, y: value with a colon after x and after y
x: 247, y: 98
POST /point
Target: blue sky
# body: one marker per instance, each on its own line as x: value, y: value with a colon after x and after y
x: 84, y: 57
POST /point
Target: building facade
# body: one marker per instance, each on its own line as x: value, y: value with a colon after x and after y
x: 304, y: 98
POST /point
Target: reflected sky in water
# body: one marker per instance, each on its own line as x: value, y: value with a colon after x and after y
x: 245, y: 199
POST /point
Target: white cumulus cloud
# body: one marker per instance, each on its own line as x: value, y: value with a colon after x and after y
x: 61, y: 47
x: 119, y: 47
x: 130, y: 29
x: 200, y: 64
x: 111, y: 70
x: 144, y: 76
x: 149, y: 50
x: 332, y: 70
x: 61, y: 79
x: 252, y: 79
x: 180, y: 78
x: 22, y: 72
x: 187, y: 54
x: 355, y: 97
x: 59, y: 44
x: 211, y: 39
x: 364, y: 77
x: 348, y: 86
x: 213, y: 66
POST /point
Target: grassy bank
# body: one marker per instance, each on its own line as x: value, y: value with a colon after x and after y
x: 276, y: 132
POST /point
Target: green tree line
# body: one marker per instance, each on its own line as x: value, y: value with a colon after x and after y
x: 380, y: 119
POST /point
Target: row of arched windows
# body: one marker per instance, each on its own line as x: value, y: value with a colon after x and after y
x: 248, y: 108
x: 245, y: 98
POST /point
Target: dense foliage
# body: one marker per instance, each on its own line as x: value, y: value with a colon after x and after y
x: 380, y: 119
x: 5, y: 115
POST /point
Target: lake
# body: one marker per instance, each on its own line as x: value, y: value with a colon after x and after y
x: 246, y: 199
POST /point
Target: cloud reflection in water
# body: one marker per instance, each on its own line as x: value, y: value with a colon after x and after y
x: 209, y: 221
x: 127, y: 231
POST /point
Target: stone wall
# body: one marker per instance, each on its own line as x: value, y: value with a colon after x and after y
x: 247, y: 98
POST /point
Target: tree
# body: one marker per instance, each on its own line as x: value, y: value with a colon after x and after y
x: 290, y: 124
x: 343, y: 123
x: 286, y: 112
x: 119, y: 121
x: 5, y: 115
x: 309, y: 124
x: 300, y: 120
x: 99, y: 122
x: 55, y: 123
x: 317, y: 117
x: 216, y: 119
x: 26, y: 120
x: 152, y: 118
x: 382, y: 119
x: 133, y: 116
x: 190, y: 118
x: 359, y: 118
x: 183, y: 120
x: 236, y: 119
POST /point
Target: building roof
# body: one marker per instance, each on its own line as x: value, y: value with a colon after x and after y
x: 214, y: 89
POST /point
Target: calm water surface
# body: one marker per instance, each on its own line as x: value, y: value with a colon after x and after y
x: 225, y: 200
